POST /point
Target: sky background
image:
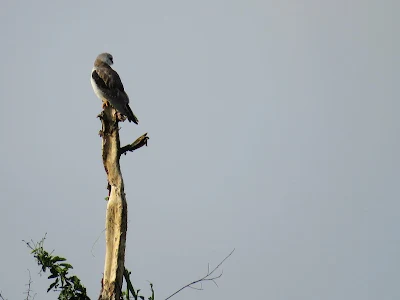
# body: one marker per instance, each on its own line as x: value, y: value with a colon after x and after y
x: 273, y: 130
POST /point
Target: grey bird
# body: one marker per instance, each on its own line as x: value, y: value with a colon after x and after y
x: 108, y: 86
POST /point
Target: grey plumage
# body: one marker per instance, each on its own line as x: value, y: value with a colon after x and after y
x: 108, y: 86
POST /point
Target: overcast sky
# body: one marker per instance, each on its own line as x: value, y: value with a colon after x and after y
x: 273, y: 130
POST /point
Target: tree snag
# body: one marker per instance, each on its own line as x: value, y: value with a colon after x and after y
x: 117, y: 208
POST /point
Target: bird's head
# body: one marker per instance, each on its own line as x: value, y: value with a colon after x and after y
x: 106, y: 58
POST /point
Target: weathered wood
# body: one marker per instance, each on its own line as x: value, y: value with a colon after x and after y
x: 117, y: 209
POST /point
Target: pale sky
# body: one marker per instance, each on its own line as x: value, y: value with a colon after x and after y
x: 273, y: 130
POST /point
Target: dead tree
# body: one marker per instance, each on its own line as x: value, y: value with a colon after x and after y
x: 69, y: 286
x: 117, y: 207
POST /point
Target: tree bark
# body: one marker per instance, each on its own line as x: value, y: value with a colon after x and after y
x: 117, y: 208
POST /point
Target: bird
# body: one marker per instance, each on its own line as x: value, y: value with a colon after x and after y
x: 107, y: 85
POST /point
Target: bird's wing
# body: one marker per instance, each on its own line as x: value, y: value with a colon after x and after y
x: 131, y: 116
x: 108, y: 81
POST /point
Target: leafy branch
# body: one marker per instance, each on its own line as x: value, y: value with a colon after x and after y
x: 130, y: 289
x: 70, y: 287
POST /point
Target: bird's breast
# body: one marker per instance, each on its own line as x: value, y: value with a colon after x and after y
x: 96, y: 89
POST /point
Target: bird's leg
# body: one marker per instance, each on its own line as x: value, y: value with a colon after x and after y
x: 119, y: 116
x: 105, y: 104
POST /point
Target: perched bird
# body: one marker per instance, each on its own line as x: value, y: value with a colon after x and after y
x: 108, y: 86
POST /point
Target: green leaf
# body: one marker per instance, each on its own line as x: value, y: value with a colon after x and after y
x: 52, y: 276
x: 68, y: 266
x: 52, y: 285
x: 57, y: 258
x: 75, y: 279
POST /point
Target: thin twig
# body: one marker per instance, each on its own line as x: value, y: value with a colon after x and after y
x: 95, y: 242
x: 1, y: 297
x: 195, y: 288
x: 205, y: 278
x: 29, y: 290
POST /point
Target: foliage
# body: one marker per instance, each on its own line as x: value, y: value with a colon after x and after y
x: 70, y: 287
x: 130, y: 289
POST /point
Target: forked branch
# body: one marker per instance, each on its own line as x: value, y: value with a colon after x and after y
x: 207, y: 277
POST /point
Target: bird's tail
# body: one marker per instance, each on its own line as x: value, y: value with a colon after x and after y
x: 131, y: 116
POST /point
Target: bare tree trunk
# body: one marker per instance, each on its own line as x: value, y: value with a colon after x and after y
x: 117, y: 208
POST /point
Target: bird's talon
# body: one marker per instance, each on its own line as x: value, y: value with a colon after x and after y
x: 105, y: 104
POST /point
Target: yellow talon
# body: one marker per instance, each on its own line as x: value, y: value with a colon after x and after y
x: 105, y: 104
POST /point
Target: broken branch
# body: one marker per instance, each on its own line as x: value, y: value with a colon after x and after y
x: 140, y: 142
